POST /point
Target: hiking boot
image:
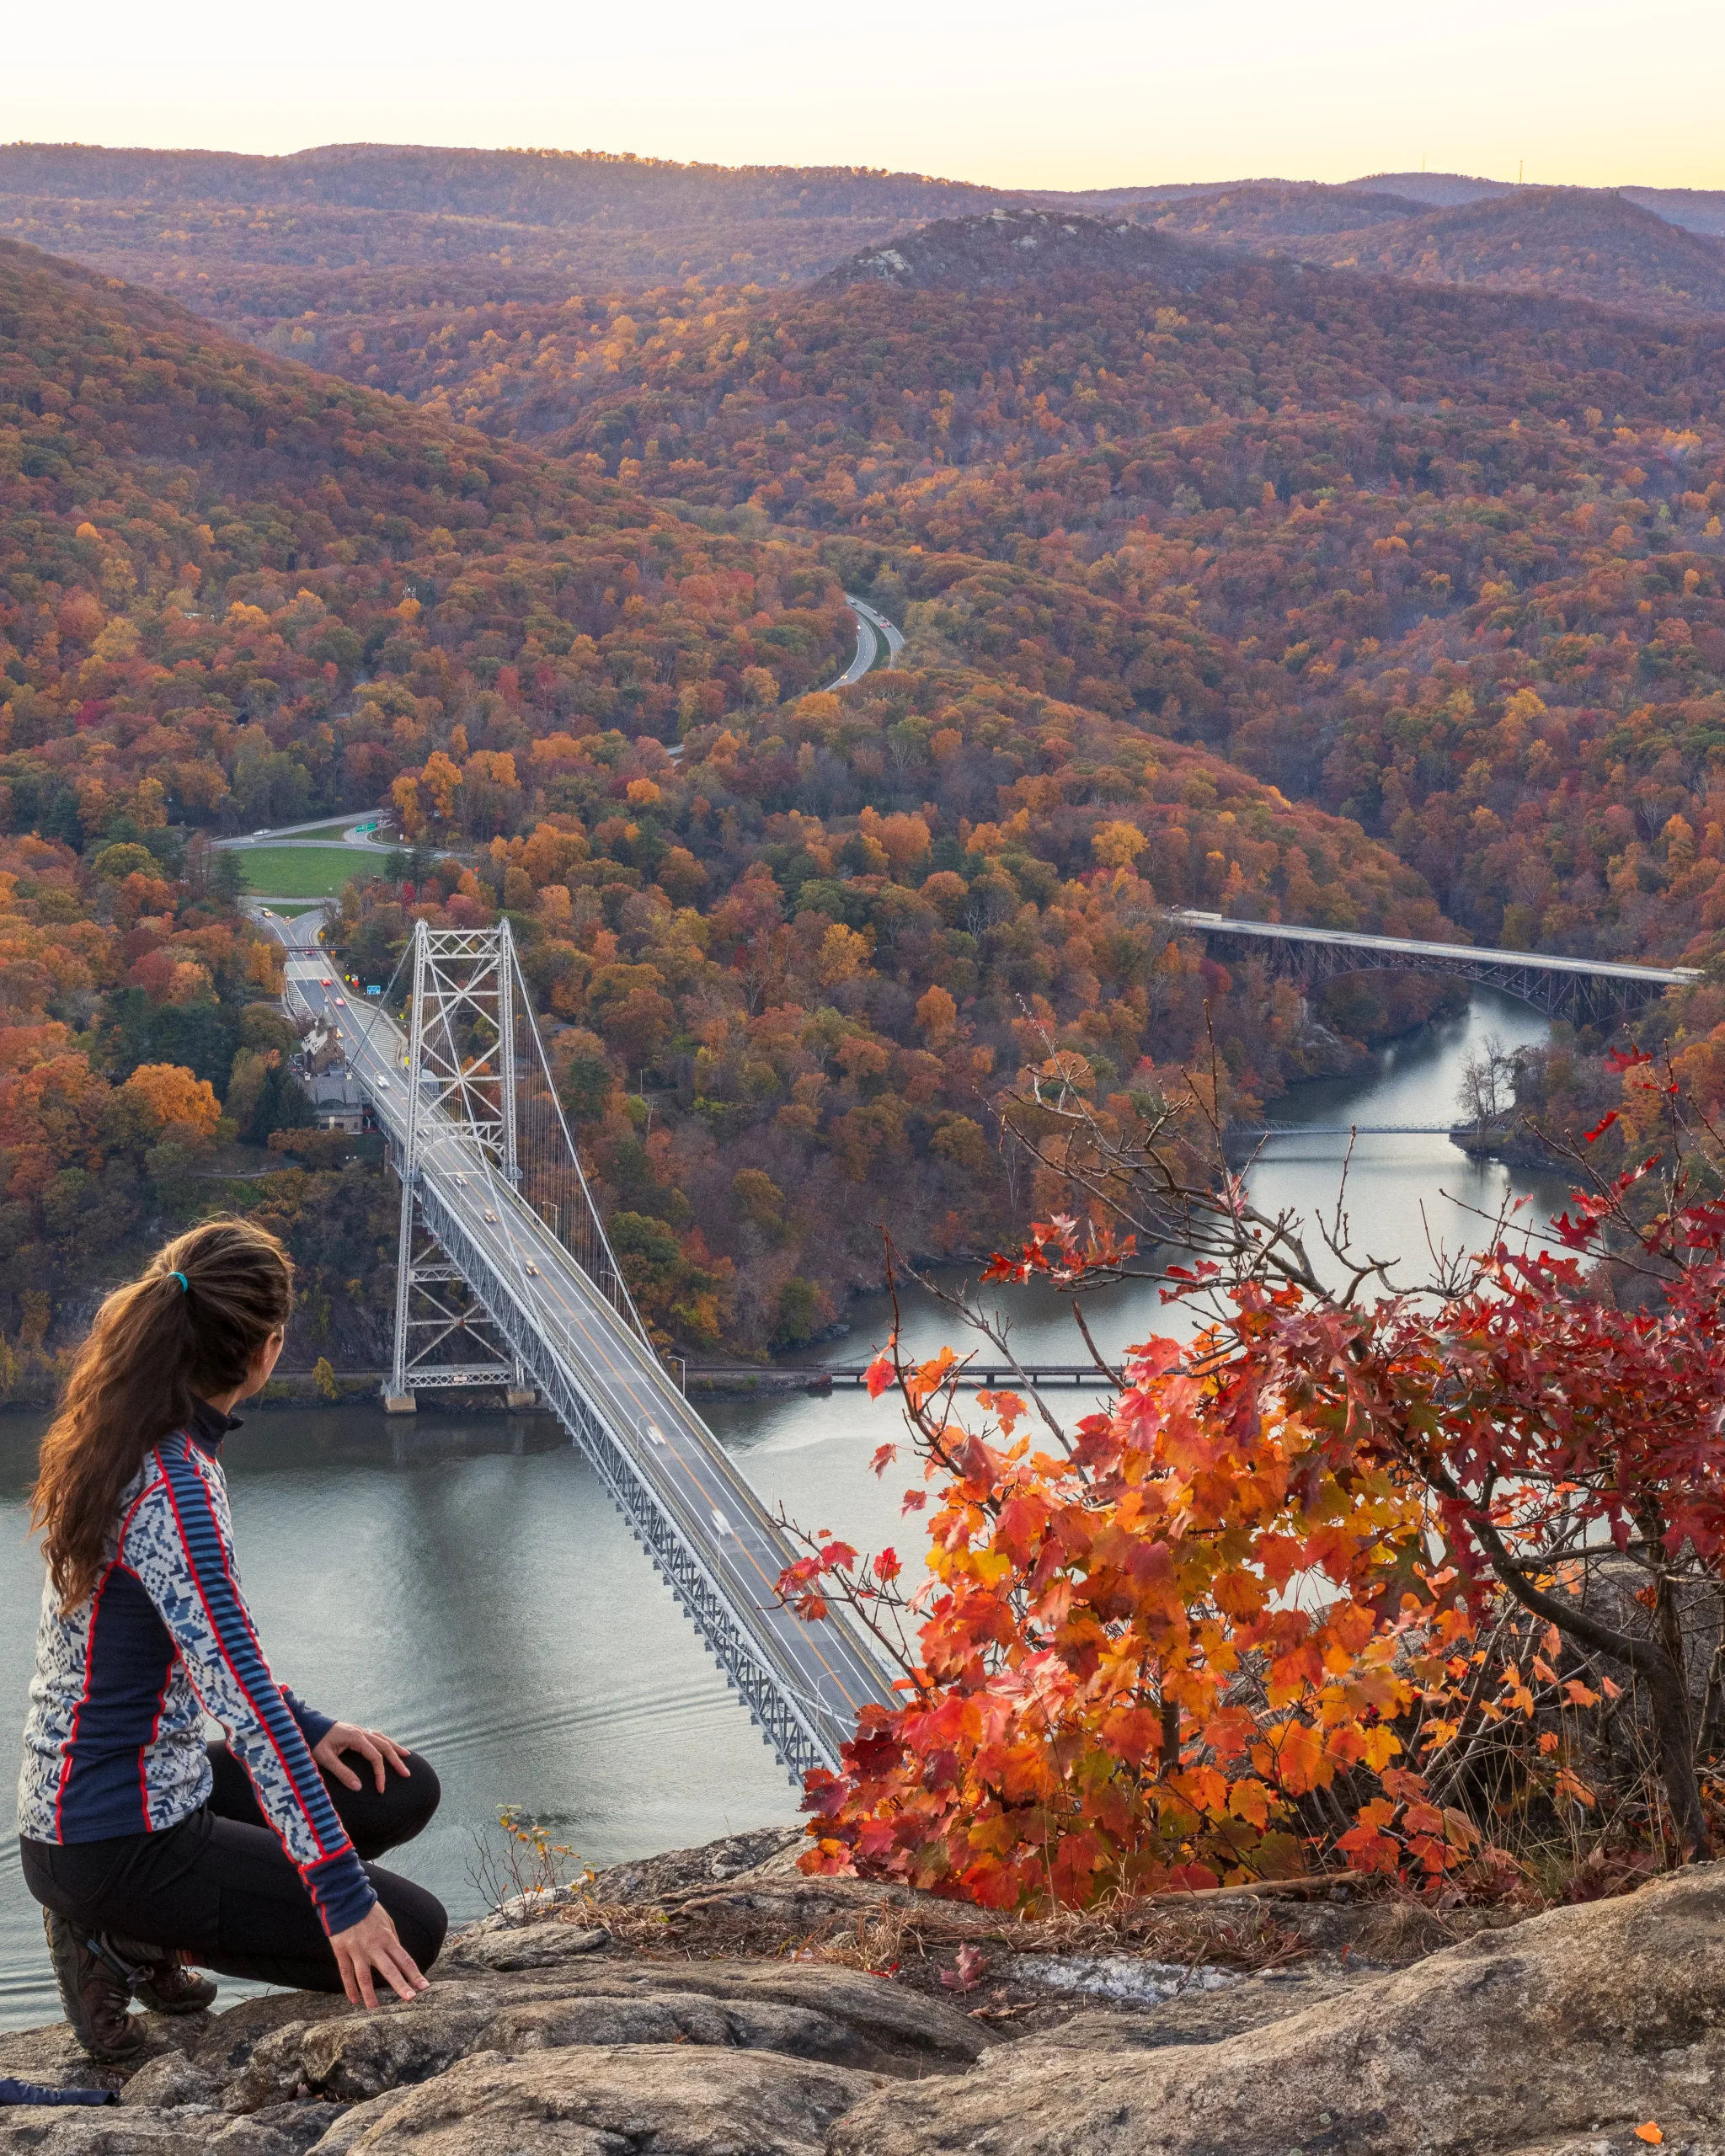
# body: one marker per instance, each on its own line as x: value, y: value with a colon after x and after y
x: 94, y: 1993
x: 160, y: 1979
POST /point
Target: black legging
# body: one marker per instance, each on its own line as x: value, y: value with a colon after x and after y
x: 220, y: 1886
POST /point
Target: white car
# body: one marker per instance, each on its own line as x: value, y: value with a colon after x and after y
x: 382, y: 1083
x: 721, y: 1525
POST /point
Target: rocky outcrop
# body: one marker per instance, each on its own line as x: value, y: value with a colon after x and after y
x: 553, y: 2031
x: 1566, y: 2033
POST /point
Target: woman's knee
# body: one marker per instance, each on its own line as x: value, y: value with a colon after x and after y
x: 380, y: 1820
x: 417, y: 1795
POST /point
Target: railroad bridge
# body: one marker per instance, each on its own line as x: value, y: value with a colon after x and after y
x: 1585, y: 991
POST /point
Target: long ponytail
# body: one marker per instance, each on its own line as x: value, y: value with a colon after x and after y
x: 188, y: 1328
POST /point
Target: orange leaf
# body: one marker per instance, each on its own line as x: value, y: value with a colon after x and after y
x: 878, y: 1376
x: 1649, y: 2132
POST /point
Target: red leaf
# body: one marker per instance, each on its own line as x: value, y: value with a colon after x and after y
x: 878, y: 1376
x: 1601, y: 1127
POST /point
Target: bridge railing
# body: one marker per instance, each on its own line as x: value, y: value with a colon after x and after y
x: 804, y: 1730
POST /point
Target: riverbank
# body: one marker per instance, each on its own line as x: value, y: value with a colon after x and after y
x: 714, y: 2002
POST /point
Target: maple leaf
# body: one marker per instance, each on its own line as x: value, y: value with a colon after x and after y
x: 1600, y: 1127
x: 971, y: 1965
x: 879, y: 1375
x: 1650, y: 2133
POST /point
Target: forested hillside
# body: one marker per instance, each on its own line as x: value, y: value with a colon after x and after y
x: 1571, y: 243
x: 786, y: 972
x: 1446, y: 563
x: 1228, y: 580
x: 263, y: 238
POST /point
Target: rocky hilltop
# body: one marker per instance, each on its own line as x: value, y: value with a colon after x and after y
x: 1014, y: 247
x: 714, y: 2003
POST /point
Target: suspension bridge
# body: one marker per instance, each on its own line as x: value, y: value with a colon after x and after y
x: 505, y: 1277
x: 1586, y: 991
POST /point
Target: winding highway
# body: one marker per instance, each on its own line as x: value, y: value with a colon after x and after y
x: 878, y: 642
x: 704, y: 1526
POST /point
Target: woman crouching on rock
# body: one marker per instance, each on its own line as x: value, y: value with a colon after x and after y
x: 147, y: 1849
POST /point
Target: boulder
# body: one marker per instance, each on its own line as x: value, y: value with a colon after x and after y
x: 1564, y: 2034
x: 614, y: 2101
x: 541, y: 1945
x: 352, y: 2057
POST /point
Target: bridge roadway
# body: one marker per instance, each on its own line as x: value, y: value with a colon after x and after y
x: 1587, y: 991
x: 705, y: 1529
x: 1404, y: 947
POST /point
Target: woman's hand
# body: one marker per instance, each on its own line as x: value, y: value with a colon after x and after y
x: 371, y: 1943
x: 372, y: 1743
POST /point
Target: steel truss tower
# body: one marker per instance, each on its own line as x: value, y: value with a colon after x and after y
x: 461, y: 1072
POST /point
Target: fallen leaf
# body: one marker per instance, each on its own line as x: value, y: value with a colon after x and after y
x: 1649, y: 2132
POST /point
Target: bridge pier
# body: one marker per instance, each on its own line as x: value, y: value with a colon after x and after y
x: 518, y: 1398
x: 399, y: 1403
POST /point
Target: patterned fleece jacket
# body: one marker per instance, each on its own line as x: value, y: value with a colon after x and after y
x: 114, y: 1742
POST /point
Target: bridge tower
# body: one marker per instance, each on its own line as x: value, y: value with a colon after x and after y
x: 478, y: 1084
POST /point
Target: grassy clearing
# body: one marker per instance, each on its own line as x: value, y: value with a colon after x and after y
x: 302, y: 872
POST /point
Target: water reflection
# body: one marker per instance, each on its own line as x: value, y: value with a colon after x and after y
x: 464, y: 1583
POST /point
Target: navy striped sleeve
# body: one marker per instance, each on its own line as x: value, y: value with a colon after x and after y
x: 179, y: 1545
x: 313, y: 1727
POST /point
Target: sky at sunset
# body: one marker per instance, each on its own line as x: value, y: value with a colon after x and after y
x: 1085, y: 93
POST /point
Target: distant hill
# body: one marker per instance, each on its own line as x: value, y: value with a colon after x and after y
x: 1696, y: 209
x: 217, y: 229
x: 294, y: 251
x: 1440, y: 190
x: 1570, y: 243
x: 1013, y: 246
x: 1262, y: 210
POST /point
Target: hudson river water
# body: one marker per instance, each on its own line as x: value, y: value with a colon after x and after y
x: 463, y: 1582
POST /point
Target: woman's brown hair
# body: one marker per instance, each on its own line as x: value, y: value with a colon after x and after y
x: 188, y: 1330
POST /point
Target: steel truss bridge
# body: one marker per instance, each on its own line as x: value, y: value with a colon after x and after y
x: 1586, y: 991
x: 506, y: 1278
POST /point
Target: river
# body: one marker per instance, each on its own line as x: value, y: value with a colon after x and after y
x: 464, y: 1584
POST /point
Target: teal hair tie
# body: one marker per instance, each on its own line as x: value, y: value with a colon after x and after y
x: 185, y: 1285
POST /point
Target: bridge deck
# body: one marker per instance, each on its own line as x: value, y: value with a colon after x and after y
x: 706, y: 1529
x: 1402, y: 946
